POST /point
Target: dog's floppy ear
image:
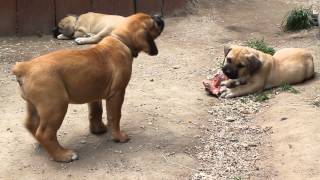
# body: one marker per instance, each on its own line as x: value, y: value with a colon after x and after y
x: 226, y: 49
x: 254, y: 64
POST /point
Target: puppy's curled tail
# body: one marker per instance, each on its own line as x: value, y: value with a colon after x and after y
x: 310, y: 66
x: 20, y: 70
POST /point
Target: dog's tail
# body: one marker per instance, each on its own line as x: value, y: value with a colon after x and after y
x: 310, y: 69
x: 20, y: 70
x: 310, y: 73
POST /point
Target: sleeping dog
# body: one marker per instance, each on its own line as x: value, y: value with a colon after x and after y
x: 87, y: 28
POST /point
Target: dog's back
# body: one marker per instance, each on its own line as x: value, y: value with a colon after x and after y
x: 96, y: 22
x: 295, y: 64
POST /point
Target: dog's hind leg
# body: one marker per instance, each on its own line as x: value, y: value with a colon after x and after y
x: 51, y: 116
x: 94, y: 38
x: 114, y: 105
x: 32, y: 119
x: 88, y: 40
x: 95, y: 118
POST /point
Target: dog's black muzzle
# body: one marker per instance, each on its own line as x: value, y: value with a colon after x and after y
x: 55, y: 32
x: 230, y: 71
x: 159, y: 20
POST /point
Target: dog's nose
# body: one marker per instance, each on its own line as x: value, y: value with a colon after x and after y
x: 55, y: 32
x: 159, y: 20
x: 226, y: 71
x: 229, y: 72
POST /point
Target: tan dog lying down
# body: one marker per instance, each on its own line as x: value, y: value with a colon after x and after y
x: 50, y: 82
x: 250, y: 71
x: 88, y: 28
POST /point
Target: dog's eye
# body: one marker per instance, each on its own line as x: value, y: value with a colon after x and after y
x: 240, y: 65
x: 228, y: 60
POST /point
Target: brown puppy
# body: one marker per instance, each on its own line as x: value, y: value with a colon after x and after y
x: 50, y: 82
x: 251, y: 71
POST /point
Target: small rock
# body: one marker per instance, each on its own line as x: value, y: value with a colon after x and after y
x: 245, y: 112
x: 252, y: 145
x: 176, y: 67
x: 234, y: 140
x: 83, y: 141
x: 230, y: 119
x: 171, y: 153
x: 284, y: 118
x: 266, y: 129
x: 138, y: 169
x: 151, y: 80
x: 118, y: 151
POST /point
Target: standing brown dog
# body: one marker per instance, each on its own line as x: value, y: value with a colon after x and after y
x: 50, y: 82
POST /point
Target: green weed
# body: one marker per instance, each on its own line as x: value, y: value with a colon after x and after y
x: 261, y: 45
x: 287, y: 87
x: 263, y: 96
x: 297, y: 19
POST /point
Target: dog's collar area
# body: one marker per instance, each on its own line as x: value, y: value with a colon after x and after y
x: 74, y: 29
x: 134, y: 52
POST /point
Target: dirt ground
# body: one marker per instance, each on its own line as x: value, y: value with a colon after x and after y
x: 177, y: 131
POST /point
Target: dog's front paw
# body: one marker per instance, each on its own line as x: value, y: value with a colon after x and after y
x: 80, y: 40
x: 230, y: 83
x: 224, y: 83
x: 98, y: 128
x: 62, y: 37
x: 120, y: 137
x: 223, y: 89
x: 66, y: 156
x: 227, y: 93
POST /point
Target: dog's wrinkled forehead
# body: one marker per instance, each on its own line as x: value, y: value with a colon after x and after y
x: 68, y: 20
x: 237, y: 53
x: 141, y: 17
x: 149, y: 22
